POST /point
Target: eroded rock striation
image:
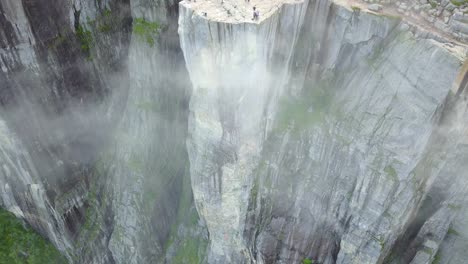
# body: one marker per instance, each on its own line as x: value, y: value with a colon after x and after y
x: 311, y: 133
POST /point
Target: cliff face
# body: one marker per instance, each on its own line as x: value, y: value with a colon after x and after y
x: 94, y: 101
x: 165, y: 132
x: 315, y: 133
x: 52, y: 108
x: 148, y: 162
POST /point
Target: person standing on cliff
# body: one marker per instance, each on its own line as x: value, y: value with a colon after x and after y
x: 256, y: 13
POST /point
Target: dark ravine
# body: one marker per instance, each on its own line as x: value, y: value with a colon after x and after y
x: 136, y: 131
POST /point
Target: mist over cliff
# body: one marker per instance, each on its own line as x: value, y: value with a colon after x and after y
x: 325, y: 131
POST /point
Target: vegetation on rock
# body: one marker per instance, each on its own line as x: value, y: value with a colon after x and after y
x: 145, y: 30
x: 85, y: 38
x: 20, y: 244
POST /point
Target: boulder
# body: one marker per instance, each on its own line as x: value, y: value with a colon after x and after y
x: 375, y: 7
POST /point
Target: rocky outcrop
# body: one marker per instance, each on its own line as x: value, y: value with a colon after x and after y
x: 234, y: 90
x: 447, y: 16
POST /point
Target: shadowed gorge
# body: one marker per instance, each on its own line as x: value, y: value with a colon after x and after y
x: 323, y: 131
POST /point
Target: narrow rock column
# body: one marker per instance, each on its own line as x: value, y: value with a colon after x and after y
x: 238, y: 71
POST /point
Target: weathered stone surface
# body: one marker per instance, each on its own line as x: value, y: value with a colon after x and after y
x: 339, y: 176
x: 375, y: 7
x: 321, y: 130
x: 51, y: 98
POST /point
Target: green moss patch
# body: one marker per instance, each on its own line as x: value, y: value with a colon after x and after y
x: 188, y: 252
x: 306, y: 111
x: 427, y: 250
x: 136, y: 164
x: 106, y: 22
x: 146, y: 30
x: 458, y: 2
x: 452, y: 231
x: 92, y: 224
x: 356, y: 8
x: 85, y: 38
x: 436, y: 259
x: 148, y: 106
x: 189, y: 248
x: 20, y: 244
x: 391, y: 172
x: 454, y: 206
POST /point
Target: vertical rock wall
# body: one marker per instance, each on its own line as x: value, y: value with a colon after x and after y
x: 237, y: 71
x: 98, y: 108
x: 148, y: 163
x: 58, y: 65
x: 312, y: 148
